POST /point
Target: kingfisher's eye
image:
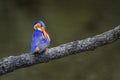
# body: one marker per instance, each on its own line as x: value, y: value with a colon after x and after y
x: 41, y: 25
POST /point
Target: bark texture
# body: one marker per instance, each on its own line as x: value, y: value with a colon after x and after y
x: 11, y: 63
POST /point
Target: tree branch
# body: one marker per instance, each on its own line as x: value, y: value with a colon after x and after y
x: 12, y: 63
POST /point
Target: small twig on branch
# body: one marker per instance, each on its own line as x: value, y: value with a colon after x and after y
x: 12, y: 63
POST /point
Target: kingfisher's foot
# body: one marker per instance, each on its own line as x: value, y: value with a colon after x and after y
x: 46, y: 49
x: 38, y: 52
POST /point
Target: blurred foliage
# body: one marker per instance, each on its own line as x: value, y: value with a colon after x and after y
x: 66, y: 21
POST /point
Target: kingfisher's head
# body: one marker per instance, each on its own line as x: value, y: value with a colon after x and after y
x: 39, y: 25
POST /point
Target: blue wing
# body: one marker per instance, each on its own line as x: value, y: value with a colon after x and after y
x: 39, y: 42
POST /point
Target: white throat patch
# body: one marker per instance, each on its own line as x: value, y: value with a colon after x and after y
x: 39, y: 29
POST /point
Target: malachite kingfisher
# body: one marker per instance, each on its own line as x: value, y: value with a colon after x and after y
x: 40, y: 38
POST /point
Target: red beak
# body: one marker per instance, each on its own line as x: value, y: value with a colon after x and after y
x: 44, y: 33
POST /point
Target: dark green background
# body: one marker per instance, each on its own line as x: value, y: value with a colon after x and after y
x: 66, y: 20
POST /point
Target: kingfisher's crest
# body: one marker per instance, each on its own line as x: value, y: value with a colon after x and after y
x: 41, y: 23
